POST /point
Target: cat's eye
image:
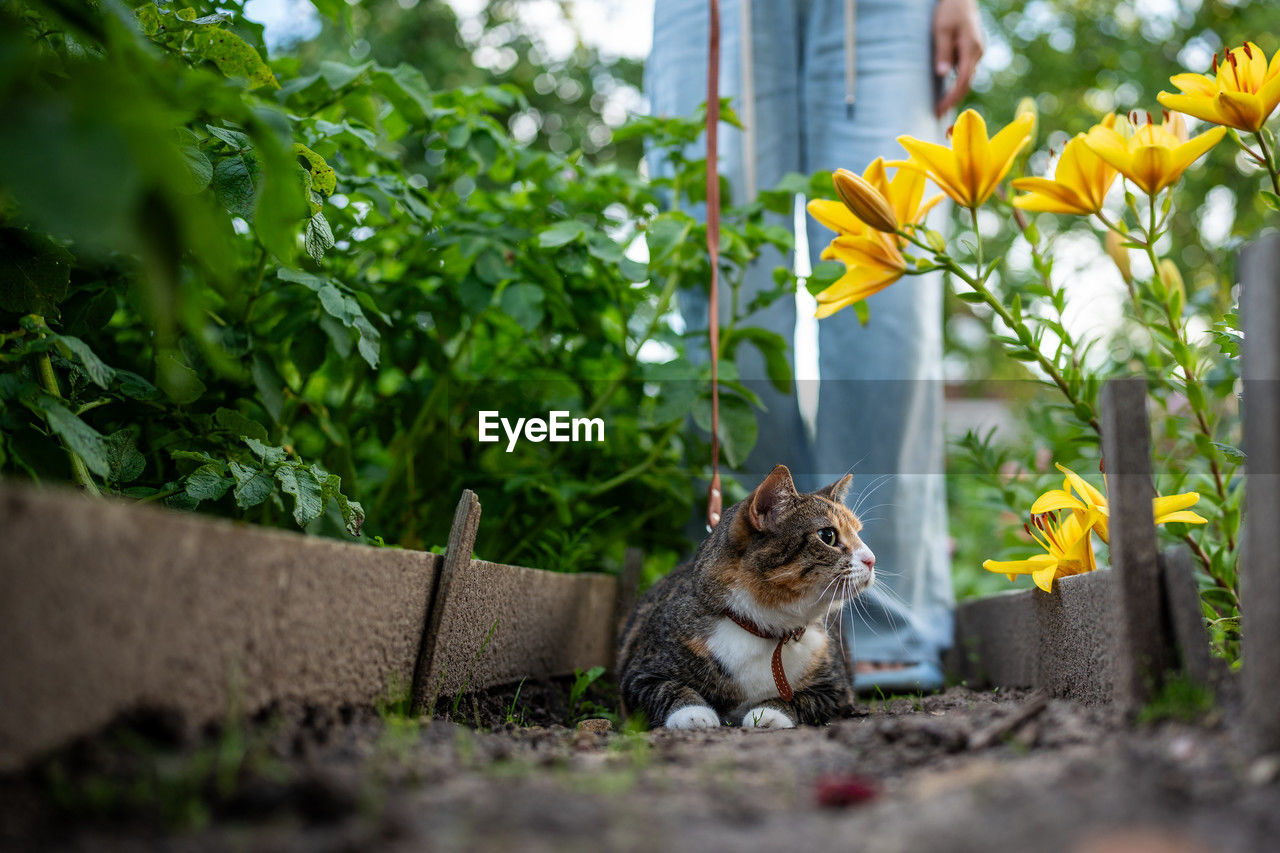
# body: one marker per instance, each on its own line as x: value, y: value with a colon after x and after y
x: 829, y: 536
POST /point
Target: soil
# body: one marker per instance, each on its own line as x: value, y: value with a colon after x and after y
x: 963, y: 770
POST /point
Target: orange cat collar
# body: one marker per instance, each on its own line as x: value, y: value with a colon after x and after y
x: 779, y: 675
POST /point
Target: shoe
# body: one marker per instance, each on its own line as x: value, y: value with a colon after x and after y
x: 922, y: 677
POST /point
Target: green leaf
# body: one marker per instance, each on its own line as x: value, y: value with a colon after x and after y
x: 560, y: 234
x: 82, y: 439
x: 269, y: 384
x: 633, y: 270
x: 1231, y: 452
x: 199, y: 167
x: 235, y: 182
x: 99, y: 373
x: 233, y: 56
x: 268, y: 454
x: 665, y: 232
x: 253, y: 485
x: 34, y: 273
x: 323, y: 179
x: 208, y: 483
x: 370, y: 341
x: 523, y: 303
x: 737, y: 426
x: 352, y: 512
x: 319, y: 237
x: 182, y: 384
x: 123, y: 459
x: 238, y: 425
x: 307, y: 493
x: 237, y: 140
x: 1272, y: 200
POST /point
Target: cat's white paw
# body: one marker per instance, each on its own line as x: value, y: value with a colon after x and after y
x: 765, y: 717
x: 693, y: 717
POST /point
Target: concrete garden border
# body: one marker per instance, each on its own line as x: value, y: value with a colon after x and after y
x: 107, y: 607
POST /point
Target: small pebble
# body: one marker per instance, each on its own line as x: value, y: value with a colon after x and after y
x: 1265, y: 770
x: 598, y: 725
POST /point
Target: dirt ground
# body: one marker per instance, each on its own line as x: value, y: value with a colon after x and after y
x: 964, y: 770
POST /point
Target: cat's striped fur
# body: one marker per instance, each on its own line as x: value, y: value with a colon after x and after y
x: 779, y: 559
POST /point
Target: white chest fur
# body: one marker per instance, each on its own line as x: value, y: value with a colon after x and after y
x: 749, y: 659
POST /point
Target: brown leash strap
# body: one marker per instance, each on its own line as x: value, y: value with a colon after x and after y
x: 779, y: 674
x: 714, y: 501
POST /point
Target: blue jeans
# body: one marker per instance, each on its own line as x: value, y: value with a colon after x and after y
x: 880, y: 393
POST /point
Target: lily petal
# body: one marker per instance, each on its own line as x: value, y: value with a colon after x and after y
x: 1055, y: 499
x: 940, y: 163
x: 834, y: 215
x: 1242, y: 110
x: 1193, y: 149
x: 1195, y: 84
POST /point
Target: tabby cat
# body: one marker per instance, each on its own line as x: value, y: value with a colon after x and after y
x: 739, y: 634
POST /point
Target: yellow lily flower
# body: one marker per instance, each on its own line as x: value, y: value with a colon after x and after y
x: 871, y: 256
x: 872, y: 263
x: 1068, y: 551
x: 1079, y: 185
x: 971, y: 168
x: 1089, y: 502
x: 1155, y: 155
x: 1243, y: 92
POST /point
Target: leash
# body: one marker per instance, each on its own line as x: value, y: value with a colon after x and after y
x: 779, y: 675
x: 714, y: 498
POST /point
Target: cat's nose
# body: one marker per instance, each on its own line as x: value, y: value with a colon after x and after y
x: 868, y: 559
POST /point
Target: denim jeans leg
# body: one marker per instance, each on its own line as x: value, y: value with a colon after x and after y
x: 675, y: 82
x: 880, y: 399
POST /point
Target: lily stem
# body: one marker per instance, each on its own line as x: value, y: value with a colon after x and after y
x: 978, y: 284
x: 1188, y: 369
x: 1270, y: 163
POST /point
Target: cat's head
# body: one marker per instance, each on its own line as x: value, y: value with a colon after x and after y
x: 796, y: 554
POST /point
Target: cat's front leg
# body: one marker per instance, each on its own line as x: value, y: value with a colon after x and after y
x: 669, y: 703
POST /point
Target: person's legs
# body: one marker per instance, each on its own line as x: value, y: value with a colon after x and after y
x: 880, y: 398
x: 675, y: 82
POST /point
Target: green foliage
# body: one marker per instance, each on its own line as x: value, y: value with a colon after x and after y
x: 282, y: 289
x: 1180, y: 699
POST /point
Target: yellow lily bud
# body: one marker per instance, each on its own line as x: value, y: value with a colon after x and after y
x: 1119, y: 254
x: 1027, y: 107
x: 865, y: 201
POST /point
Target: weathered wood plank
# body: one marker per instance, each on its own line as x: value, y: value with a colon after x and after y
x: 1184, y: 615
x: 1140, y: 655
x: 1260, y: 555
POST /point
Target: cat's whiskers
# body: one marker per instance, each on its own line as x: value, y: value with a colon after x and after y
x: 871, y: 490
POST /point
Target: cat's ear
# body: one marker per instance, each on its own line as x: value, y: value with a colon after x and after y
x: 771, y: 498
x: 837, y: 490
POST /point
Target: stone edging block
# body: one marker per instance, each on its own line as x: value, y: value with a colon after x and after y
x: 501, y: 623
x: 1058, y: 641
x: 106, y: 607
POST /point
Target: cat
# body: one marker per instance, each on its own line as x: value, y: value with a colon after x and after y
x: 738, y: 634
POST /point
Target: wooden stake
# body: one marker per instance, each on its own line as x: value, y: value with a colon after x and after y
x: 1260, y: 552
x: 1140, y: 652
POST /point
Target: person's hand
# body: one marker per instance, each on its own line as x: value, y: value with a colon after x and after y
x: 958, y: 44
